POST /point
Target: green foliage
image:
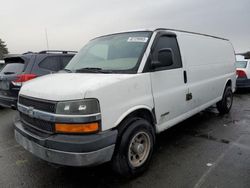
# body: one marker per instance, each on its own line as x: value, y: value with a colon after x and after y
x: 3, y: 49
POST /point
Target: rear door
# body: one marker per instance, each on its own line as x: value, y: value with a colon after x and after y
x: 168, y: 84
x: 50, y: 64
x: 13, y: 67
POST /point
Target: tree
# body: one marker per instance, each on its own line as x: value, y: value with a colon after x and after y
x: 3, y: 49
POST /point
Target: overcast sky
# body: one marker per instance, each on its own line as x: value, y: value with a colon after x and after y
x: 70, y: 24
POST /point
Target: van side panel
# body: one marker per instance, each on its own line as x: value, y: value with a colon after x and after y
x: 210, y: 63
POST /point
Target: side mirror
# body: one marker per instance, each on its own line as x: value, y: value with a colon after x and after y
x: 164, y: 58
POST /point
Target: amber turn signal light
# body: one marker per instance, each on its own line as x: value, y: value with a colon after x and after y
x: 77, y: 128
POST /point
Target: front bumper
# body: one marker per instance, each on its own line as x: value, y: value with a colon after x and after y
x: 68, y: 150
x: 8, y: 102
x: 242, y: 83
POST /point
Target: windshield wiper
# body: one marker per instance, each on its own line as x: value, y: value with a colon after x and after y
x: 93, y: 70
x: 67, y: 70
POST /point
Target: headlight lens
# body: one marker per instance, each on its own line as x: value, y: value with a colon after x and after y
x: 81, y: 107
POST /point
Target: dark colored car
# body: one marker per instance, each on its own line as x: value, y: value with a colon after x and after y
x: 21, y: 68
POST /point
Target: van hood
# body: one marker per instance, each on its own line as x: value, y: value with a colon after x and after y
x: 68, y: 86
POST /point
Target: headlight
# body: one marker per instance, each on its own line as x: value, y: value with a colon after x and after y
x: 80, y: 107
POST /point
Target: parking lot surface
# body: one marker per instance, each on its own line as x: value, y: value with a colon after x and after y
x: 207, y: 150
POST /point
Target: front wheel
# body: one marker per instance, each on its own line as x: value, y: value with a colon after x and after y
x: 224, y: 106
x: 135, y: 149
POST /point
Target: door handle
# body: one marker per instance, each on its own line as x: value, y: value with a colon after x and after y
x: 185, y: 76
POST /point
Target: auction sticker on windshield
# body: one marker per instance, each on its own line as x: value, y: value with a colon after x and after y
x: 138, y: 39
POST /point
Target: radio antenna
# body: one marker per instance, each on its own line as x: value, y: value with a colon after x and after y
x: 47, y: 40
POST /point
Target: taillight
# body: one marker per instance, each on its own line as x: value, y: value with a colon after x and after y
x: 241, y: 74
x: 23, y: 78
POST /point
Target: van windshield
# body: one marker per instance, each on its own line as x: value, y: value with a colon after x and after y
x: 241, y: 64
x: 119, y: 53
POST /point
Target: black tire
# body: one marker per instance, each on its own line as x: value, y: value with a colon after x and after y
x: 224, y: 106
x: 122, y: 160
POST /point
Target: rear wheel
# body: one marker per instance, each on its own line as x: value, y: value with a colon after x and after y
x: 134, y: 149
x: 224, y: 106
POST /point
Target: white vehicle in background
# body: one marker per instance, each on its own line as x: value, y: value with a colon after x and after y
x: 243, y: 72
x: 120, y: 91
x: 1, y: 64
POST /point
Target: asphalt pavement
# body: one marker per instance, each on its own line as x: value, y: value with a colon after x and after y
x: 207, y: 150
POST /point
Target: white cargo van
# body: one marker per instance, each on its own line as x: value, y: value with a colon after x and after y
x: 121, y: 90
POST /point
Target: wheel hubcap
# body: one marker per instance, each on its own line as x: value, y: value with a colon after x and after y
x: 139, y: 149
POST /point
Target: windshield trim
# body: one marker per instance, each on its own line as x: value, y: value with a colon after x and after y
x: 136, y: 67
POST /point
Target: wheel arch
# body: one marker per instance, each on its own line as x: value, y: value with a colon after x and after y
x: 227, y: 83
x: 141, y: 111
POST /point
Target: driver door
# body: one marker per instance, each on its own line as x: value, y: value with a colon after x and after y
x: 168, y: 82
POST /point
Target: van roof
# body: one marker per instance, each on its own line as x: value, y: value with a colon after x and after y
x: 165, y: 29
x: 190, y: 32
